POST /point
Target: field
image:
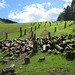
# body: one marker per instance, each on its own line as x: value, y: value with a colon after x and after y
x: 13, y: 30
x: 53, y: 64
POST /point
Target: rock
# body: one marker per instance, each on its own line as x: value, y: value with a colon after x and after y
x: 23, y: 49
x: 56, y: 52
x: 13, y: 65
x: 5, y: 48
x: 1, y: 57
x: 44, y: 48
x: 17, y: 52
x: 29, y: 52
x: 58, y: 48
x: 11, y: 58
x: 13, y: 74
x: 41, y: 58
x: 6, y: 54
x: 44, y: 51
x: 1, y: 61
x: 11, y: 53
x: 6, y: 61
x: 16, y: 72
x: 27, y: 49
x: 68, y: 54
x: 21, y: 67
x: 49, y: 51
x: 6, y: 70
x: 23, y: 44
x: 31, y: 47
x: 16, y: 55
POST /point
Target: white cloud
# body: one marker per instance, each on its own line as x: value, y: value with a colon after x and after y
x: 68, y: 0
x: 2, y: 4
x: 36, y: 13
x: 65, y: 5
x: 48, y: 3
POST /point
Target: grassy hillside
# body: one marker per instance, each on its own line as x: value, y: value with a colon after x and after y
x: 1, y: 22
x: 53, y: 64
x: 13, y: 30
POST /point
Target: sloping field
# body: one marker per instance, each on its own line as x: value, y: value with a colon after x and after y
x: 54, y: 63
x: 13, y: 30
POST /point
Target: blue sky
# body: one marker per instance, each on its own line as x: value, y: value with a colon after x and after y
x: 24, y: 11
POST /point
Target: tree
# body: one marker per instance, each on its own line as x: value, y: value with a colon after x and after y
x: 72, y: 6
x: 61, y: 17
x: 68, y: 14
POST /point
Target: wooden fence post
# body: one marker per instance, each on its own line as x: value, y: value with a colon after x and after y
x: 6, y: 36
x: 35, y: 27
x: 32, y: 34
x: 55, y: 29
x: 50, y: 23
x: 25, y: 32
x: 31, y: 29
x: 35, y: 47
x: 38, y: 25
x: 27, y: 60
x: 49, y: 34
x: 65, y: 25
x: 20, y: 31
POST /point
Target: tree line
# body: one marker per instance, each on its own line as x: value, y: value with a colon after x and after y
x: 68, y: 13
x: 7, y: 20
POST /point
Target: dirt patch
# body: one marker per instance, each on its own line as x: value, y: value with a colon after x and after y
x: 60, y: 28
x: 44, y: 34
x: 21, y: 58
x: 54, y: 71
x: 28, y: 30
x: 62, y: 33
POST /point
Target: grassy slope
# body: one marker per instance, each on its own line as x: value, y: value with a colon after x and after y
x: 1, y: 22
x: 45, y: 67
x: 52, y: 61
x: 13, y: 29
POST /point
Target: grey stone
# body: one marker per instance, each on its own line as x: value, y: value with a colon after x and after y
x: 9, y: 69
x: 41, y: 58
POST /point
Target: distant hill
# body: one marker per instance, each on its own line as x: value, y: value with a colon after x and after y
x: 6, y: 21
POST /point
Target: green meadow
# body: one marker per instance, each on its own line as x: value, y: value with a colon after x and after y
x: 13, y: 30
x: 53, y: 64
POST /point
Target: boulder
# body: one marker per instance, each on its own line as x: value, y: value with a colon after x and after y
x: 58, y: 48
x: 13, y: 65
x: 41, y: 58
x: 56, y: 52
x: 44, y: 48
x: 23, y: 49
x: 50, y: 51
x: 9, y: 69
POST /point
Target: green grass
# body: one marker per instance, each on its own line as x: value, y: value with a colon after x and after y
x: 13, y: 30
x: 44, y: 67
x: 52, y: 61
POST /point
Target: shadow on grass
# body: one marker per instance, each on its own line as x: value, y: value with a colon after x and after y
x: 32, y: 54
x: 69, y: 59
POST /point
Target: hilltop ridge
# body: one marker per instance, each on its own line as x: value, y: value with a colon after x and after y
x: 6, y: 21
